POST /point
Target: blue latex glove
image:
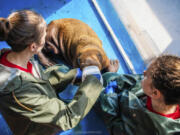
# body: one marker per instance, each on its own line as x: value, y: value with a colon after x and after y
x: 92, y: 70
x: 111, y: 87
x: 80, y: 74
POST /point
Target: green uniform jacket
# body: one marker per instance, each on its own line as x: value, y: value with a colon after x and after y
x: 30, y: 104
x: 125, y: 111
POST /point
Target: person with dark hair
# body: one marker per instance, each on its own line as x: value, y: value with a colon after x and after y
x: 143, y: 104
x: 28, y: 94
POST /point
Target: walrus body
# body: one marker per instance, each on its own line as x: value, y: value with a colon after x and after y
x: 76, y: 42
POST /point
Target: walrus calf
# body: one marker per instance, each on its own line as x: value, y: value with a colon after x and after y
x: 77, y: 43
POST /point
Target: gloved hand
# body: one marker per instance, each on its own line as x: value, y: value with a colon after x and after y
x: 90, y: 70
x: 111, y: 87
x: 79, y: 74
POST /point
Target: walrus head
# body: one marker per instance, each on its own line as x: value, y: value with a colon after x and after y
x: 50, y: 49
x: 50, y: 53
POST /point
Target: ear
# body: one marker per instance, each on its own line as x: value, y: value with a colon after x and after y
x: 156, y: 94
x: 33, y: 47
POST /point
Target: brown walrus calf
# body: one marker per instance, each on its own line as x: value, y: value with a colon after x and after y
x: 77, y: 43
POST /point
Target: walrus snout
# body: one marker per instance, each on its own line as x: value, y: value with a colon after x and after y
x: 50, y: 48
x: 49, y: 54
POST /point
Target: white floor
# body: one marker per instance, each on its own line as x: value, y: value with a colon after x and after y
x: 154, y: 25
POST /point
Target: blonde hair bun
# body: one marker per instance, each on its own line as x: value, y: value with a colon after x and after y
x: 5, y: 27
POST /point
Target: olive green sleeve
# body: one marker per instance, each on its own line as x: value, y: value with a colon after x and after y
x: 55, y: 112
x: 130, y: 82
x: 108, y: 105
x: 60, y: 79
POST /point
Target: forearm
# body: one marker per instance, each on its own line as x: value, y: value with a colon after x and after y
x: 87, y: 94
x: 58, y: 79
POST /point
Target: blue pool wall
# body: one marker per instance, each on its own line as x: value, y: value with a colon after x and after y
x: 84, y: 10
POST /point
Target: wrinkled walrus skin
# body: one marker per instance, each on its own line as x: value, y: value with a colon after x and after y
x: 76, y: 42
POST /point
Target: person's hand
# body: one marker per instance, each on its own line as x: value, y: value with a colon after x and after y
x: 78, y: 77
x: 79, y: 74
x: 111, y: 87
x: 92, y: 70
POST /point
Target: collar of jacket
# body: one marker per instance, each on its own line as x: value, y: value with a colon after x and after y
x: 12, y: 79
